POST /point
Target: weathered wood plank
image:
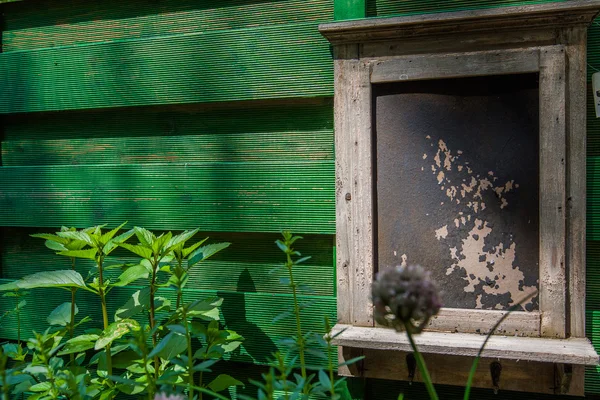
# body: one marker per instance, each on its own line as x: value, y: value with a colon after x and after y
x: 519, y: 323
x: 516, y: 375
x: 354, y: 197
x: 434, y: 66
x: 575, y: 45
x: 567, y: 351
x: 206, y: 67
x: 240, y: 197
x: 552, y: 191
x: 48, y: 23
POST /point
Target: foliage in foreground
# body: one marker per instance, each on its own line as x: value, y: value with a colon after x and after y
x: 145, y: 346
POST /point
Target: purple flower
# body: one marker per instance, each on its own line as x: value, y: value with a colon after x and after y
x: 405, y: 298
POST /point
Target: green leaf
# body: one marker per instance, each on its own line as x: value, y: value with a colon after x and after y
x: 106, y: 237
x: 138, y: 301
x: 114, y: 242
x: 223, y: 382
x: 41, y: 387
x: 48, y: 279
x: 77, y: 235
x: 79, y: 344
x: 132, y: 274
x: 138, y: 249
x: 324, y: 379
x: 205, y: 365
x: 116, y: 330
x: 61, y: 315
x: 170, y: 346
x: 207, y: 309
x: 51, y: 237
x: 145, y: 237
x: 87, y: 253
x: 193, y: 247
x: 205, y: 252
x: 159, y: 245
x: 181, y: 238
x: 55, y: 246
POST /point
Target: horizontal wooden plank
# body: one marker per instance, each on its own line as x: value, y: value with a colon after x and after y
x: 519, y: 323
x: 249, y: 264
x: 47, y: 23
x: 422, y: 67
x: 563, y: 351
x: 240, y: 197
x: 257, y: 63
x: 250, y: 314
x: 518, y: 376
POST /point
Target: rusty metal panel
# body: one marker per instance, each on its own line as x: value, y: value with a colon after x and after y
x: 457, y: 185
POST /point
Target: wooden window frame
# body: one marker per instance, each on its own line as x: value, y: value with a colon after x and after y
x: 548, y: 39
x: 354, y: 152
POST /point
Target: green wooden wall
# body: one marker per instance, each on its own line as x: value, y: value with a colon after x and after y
x: 172, y: 115
x: 175, y: 114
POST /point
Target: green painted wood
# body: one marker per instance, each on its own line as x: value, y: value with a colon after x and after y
x: 240, y: 197
x: 245, y: 266
x: 349, y: 9
x: 256, y: 63
x: 47, y: 23
x: 385, y: 8
x: 292, y: 132
x: 251, y: 314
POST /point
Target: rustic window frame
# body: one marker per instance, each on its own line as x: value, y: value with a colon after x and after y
x: 357, y: 204
x: 549, y: 39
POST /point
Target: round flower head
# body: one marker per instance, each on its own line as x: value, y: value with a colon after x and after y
x: 405, y: 298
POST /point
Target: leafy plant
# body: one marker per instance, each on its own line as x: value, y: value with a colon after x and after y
x: 280, y: 381
x: 153, y: 355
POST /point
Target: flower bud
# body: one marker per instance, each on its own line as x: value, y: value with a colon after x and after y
x: 405, y: 298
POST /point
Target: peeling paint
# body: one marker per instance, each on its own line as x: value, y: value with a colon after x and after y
x: 478, y: 262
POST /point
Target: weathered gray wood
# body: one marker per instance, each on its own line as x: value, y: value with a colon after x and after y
x: 552, y: 191
x: 575, y: 40
x: 519, y: 323
x: 454, y: 65
x: 521, y: 376
x: 354, y: 219
x: 565, y: 351
x: 538, y: 16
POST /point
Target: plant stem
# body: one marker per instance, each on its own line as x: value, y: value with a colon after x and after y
x: 18, y: 311
x: 421, y: 364
x: 330, y: 365
x: 289, y: 265
x: 102, y: 295
x: 189, y: 354
x: 3, y: 362
x: 153, y: 312
x: 72, y: 321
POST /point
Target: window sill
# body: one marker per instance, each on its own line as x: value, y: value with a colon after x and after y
x: 578, y: 351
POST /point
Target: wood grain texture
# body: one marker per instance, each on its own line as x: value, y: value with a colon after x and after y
x: 48, y: 24
x: 552, y: 191
x: 269, y: 62
x: 441, y: 66
x: 575, y: 47
x: 530, y: 17
x: 519, y: 323
x: 239, y: 197
x: 567, y: 351
x: 354, y: 197
x: 516, y: 375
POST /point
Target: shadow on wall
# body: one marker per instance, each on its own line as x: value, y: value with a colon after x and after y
x: 257, y: 344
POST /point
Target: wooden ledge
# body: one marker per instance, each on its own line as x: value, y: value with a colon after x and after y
x: 578, y: 351
x: 523, y: 18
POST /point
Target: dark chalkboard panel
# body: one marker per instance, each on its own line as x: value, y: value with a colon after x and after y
x: 457, y: 185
